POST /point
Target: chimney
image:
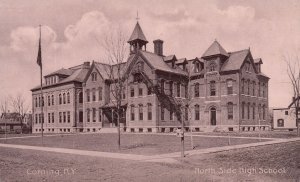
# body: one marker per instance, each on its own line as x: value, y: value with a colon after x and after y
x: 86, y: 65
x: 158, y: 47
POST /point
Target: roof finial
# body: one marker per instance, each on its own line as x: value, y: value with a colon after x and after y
x: 137, y: 16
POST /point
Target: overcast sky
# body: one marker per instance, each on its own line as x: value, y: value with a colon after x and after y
x: 271, y: 28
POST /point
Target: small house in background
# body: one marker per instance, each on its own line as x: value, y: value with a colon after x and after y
x: 12, y: 122
x: 285, y: 118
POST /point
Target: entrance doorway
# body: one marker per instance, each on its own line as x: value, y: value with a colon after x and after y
x: 213, y: 116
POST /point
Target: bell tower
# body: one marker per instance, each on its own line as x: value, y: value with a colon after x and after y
x: 137, y: 40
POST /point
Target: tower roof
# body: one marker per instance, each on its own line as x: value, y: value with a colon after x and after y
x: 137, y: 34
x: 215, y: 49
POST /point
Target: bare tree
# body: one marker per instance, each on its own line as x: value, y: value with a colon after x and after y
x: 293, y: 71
x: 18, y: 103
x: 116, y: 52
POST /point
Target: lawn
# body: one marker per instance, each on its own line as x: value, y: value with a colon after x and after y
x: 20, y: 165
x: 264, y: 134
x: 149, y: 144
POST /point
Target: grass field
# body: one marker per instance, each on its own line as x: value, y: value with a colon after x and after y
x: 130, y: 143
x: 21, y: 165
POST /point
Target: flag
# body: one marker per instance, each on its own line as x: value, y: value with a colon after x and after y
x: 39, y: 57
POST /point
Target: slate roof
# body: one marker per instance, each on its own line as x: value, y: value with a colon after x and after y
x: 215, y: 49
x: 169, y: 58
x: 137, y: 34
x: 258, y: 61
x: 181, y: 61
x: 235, y: 60
x: 158, y: 63
x: 62, y: 71
x: 78, y: 75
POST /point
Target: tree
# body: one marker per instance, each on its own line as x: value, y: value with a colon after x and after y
x: 18, y: 103
x: 116, y: 52
x: 293, y: 71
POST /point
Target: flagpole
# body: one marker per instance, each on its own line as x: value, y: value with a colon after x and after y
x: 41, y: 70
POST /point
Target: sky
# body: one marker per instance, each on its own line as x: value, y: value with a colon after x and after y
x: 73, y: 29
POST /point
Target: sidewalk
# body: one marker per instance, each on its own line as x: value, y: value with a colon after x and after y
x: 165, y: 158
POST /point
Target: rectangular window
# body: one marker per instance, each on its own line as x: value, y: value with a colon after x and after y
x: 52, y: 97
x: 171, y: 115
x: 186, y: 113
x: 131, y: 92
x: 230, y: 110
x: 64, y: 114
x: 229, y: 87
x: 94, y: 114
x: 132, y: 113
x: 88, y: 115
x: 171, y: 88
x: 178, y: 90
x: 243, y: 110
x: 197, y: 112
x: 60, y: 117
x: 49, y: 118
x: 49, y: 102
x: 248, y: 111
x: 212, y: 88
x: 36, y: 118
x: 69, y: 116
x: 100, y: 93
x: 162, y: 116
x: 140, y: 91
x: 186, y: 91
x: 141, y: 112
x: 94, y: 95
x: 149, y: 112
x: 253, y: 112
x: 53, y: 117
x: 197, y: 90
x: 286, y: 112
x: 88, y: 95
x: 100, y: 115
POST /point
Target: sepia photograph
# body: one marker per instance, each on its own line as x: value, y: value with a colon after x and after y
x: 150, y: 90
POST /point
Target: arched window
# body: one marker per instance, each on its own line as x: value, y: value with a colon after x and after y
x: 100, y: 115
x: 186, y: 112
x: 36, y: 102
x: 197, y: 112
x: 68, y: 98
x: 197, y: 90
x: 263, y: 89
x: 64, y: 98
x: 80, y: 97
x: 280, y: 123
x: 140, y: 112
x: 132, y: 112
x: 131, y: 92
x: 230, y: 110
x: 49, y: 102
x: 197, y: 67
x: 52, y: 98
x: 149, y: 111
x: 212, y: 88
x: 94, y: 76
x: 212, y: 67
x: 229, y: 87
x: 94, y: 114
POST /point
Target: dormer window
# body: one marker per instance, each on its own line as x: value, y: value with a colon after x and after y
x: 94, y: 76
x: 197, y: 67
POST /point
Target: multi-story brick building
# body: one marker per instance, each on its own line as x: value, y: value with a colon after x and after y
x: 219, y: 91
